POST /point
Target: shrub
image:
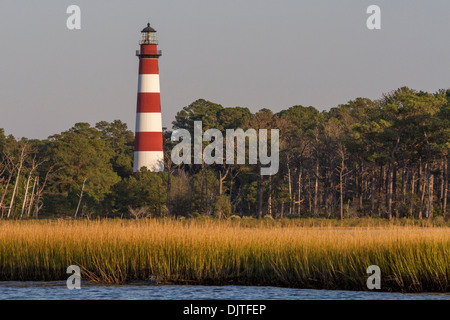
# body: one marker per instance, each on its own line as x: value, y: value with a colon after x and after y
x: 194, y: 215
x: 139, y: 213
x: 222, y: 207
x: 439, y: 221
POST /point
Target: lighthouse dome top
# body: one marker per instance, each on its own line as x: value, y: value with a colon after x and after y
x: 148, y: 35
x: 148, y: 29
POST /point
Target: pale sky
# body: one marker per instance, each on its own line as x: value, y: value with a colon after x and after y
x: 249, y: 53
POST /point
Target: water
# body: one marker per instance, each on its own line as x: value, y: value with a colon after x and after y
x: 142, y: 291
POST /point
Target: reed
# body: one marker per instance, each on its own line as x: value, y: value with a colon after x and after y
x: 411, y: 258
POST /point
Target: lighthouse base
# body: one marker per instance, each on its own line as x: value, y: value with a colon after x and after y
x: 153, y: 160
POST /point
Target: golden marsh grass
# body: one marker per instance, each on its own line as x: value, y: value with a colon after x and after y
x: 411, y: 258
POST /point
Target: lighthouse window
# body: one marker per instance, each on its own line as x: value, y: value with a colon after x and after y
x: 148, y: 38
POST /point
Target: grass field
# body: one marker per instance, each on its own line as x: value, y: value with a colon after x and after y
x: 306, y: 253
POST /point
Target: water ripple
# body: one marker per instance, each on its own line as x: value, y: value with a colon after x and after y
x: 58, y: 291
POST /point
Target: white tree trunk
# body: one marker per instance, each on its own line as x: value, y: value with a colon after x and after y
x: 81, y: 197
x: 30, y: 205
x: 25, y: 196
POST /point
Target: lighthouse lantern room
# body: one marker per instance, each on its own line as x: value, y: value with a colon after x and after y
x: 148, y: 35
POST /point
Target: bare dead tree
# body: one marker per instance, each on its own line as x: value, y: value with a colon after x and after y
x: 40, y: 190
x: 139, y: 213
x: 81, y: 197
x: 8, y: 165
x: 34, y: 165
x: 30, y: 205
x: 24, y: 150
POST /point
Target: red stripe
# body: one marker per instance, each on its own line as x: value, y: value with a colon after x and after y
x: 148, y: 66
x: 149, y: 49
x: 148, y: 141
x: 148, y: 102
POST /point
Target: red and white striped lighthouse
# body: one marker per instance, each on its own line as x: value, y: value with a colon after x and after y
x: 148, y: 147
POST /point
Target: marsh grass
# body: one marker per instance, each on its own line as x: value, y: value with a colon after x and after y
x: 278, y: 253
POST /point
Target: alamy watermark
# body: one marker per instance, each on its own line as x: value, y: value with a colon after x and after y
x: 74, y: 281
x: 74, y: 20
x: 374, y: 21
x: 235, y: 147
x: 374, y: 281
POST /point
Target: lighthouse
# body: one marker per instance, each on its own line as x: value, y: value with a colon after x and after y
x: 148, y: 146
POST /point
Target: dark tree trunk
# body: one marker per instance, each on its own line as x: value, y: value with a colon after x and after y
x: 299, y: 191
x: 360, y: 187
x: 429, y: 204
x: 316, y: 188
x: 411, y: 200
x: 423, y: 190
x: 269, y: 200
x: 389, y: 193
x: 372, y: 194
x: 442, y: 184
x: 260, y: 196
x: 404, y: 182
x: 444, y: 201
x: 380, y: 190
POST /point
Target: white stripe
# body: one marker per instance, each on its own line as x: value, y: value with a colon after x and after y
x: 148, y: 83
x: 148, y: 122
x: 153, y: 160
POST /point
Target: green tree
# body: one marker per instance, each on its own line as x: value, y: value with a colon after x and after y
x: 145, y: 190
x: 2, y: 141
x: 84, y: 158
x: 121, y: 140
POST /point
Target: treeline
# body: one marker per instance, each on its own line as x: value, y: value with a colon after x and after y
x: 386, y: 158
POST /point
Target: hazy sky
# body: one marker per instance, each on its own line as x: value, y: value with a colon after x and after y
x: 249, y: 53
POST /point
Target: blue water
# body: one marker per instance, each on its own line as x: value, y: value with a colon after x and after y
x: 141, y: 291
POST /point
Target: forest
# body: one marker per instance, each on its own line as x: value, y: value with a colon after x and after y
x: 384, y: 158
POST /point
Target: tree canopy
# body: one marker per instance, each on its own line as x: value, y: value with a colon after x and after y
x: 387, y: 157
